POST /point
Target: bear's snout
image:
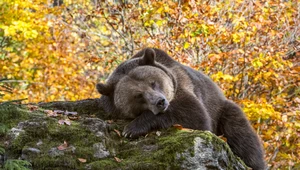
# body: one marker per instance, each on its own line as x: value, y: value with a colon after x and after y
x: 162, y: 104
x: 156, y: 102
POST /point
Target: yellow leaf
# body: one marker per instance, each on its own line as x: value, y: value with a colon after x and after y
x: 186, y: 45
x: 236, y: 38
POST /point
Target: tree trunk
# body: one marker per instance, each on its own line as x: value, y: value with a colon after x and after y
x: 87, y: 106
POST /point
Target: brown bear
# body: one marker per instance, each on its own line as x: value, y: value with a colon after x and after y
x: 158, y: 92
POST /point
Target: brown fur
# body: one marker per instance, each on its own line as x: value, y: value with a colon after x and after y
x: 181, y: 95
x: 141, y: 84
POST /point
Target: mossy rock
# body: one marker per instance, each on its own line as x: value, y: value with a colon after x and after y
x: 39, y: 139
x: 177, y: 149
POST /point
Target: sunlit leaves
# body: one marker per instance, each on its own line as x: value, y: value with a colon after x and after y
x: 256, y: 63
x: 45, y: 62
x: 260, y: 110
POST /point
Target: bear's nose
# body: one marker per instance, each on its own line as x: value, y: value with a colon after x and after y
x: 161, y: 103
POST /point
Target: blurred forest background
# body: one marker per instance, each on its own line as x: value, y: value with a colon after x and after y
x: 59, y: 50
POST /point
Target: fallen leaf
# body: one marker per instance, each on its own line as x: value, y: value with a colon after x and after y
x: 118, y: 159
x: 64, y: 121
x: 67, y: 122
x: 73, y: 117
x: 118, y: 132
x: 32, y: 107
x: 82, y: 160
x: 50, y: 113
x: 70, y: 113
x: 61, y: 121
x: 187, y: 130
x: 223, y: 138
x: 63, y: 146
x: 59, y: 111
x: 178, y: 126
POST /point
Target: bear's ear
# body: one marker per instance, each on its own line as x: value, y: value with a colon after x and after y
x: 104, y: 89
x: 148, y: 57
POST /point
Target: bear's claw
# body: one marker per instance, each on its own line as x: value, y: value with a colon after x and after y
x: 131, y: 131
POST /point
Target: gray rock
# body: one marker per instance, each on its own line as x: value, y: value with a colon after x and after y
x: 149, y: 148
x: 204, y: 155
x: 100, y: 151
x: 15, y: 132
x: 38, y: 125
x: 71, y: 149
x: 28, y: 153
x: 34, y: 123
x: 53, y: 152
x: 96, y: 126
x: 100, y: 134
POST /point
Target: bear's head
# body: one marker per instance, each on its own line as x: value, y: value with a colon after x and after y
x: 123, y: 69
x: 147, y: 86
x: 144, y: 88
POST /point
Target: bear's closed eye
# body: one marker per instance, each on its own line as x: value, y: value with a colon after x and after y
x: 153, y: 84
x: 138, y: 96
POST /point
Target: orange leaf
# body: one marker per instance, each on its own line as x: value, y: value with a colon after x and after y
x: 118, y: 132
x: 178, y: 126
x: 223, y: 138
x: 63, y: 146
x: 187, y: 130
x: 73, y: 117
x: 50, y: 113
x: 82, y: 160
x: 118, y: 159
x: 32, y: 107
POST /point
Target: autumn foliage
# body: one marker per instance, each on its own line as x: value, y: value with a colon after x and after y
x: 250, y: 48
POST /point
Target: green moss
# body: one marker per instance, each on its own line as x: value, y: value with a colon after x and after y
x: 164, y: 154
x: 11, y: 114
x: 63, y: 162
x: 17, y: 145
x: 143, y: 165
x: 38, y: 128
x: 86, y: 152
x: 71, y: 133
x: 103, y: 164
x: 76, y: 135
x: 31, y: 135
x: 172, y: 143
x: 3, y: 130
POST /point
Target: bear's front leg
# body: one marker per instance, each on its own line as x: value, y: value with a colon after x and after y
x: 189, y: 112
x: 145, y: 123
